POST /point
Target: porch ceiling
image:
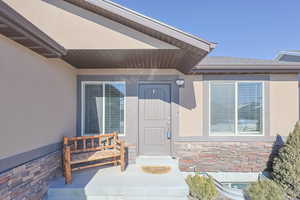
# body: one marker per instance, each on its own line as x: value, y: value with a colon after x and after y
x: 140, y: 58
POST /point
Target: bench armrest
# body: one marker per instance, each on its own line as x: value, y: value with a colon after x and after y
x: 66, y: 142
x: 67, y: 145
x: 119, y: 142
x: 121, y: 145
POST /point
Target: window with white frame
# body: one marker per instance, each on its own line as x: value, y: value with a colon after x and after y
x: 236, y: 108
x: 103, y: 108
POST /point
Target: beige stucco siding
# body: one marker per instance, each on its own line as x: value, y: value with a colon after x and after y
x: 284, y: 103
x: 38, y: 99
x: 76, y: 28
x: 191, y: 107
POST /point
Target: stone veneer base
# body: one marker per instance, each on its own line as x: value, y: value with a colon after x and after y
x: 131, y: 153
x: 225, y: 156
x: 242, y: 156
x: 30, y: 181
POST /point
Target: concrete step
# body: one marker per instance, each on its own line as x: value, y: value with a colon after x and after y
x: 142, y: 191
x: 121, y: 198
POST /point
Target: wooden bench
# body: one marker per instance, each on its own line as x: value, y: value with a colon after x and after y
x: 85, y: 149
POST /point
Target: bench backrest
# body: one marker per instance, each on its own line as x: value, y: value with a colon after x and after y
x: 91, y: 143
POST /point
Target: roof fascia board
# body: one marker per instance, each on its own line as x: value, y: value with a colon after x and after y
x: 293, y: 64
x: 159, y: 22
x: 282, y: 53
x: 278, y: 57
x: 23, y: 26
x: 290, y: 53
x: 29, y: 36
x: 153, y: 24
x: 214, y: 71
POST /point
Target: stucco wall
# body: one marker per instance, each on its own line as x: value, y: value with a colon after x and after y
x: 284, y: 103
x: 38, y: 99
x: 191, y: 107
x: 76, y: 28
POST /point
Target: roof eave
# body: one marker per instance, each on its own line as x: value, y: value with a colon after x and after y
x: 245, y: 71
x: 123, y: 14
x: 194, y: 47
x: 282, y: 53
x: 16, y: 24
x: 154, y: 24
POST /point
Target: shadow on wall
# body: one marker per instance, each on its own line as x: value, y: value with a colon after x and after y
x: 278, y: 143
x: 187, y: 94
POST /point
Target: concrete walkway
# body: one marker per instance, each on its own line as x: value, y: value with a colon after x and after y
x: 133, y: 184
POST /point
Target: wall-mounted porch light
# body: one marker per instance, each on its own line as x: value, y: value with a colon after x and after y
x: 180, y: 82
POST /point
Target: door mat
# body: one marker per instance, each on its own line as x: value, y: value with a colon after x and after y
x: 156, y: 169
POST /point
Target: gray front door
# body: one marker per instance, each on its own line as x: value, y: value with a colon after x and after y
x: 154, y: 119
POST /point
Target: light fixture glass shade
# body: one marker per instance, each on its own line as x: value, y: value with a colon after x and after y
x: 180, y: 82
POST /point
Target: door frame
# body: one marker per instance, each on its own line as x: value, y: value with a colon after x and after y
x: 174, y: 102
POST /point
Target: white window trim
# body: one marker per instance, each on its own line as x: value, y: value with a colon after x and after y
x: 83, y: 84
x: 237, y: 133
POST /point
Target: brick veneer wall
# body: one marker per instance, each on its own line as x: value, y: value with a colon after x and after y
x: 30, y: 181
x: 225, y: 156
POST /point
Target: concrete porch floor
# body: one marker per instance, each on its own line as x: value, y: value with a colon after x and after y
x: 133, y: 184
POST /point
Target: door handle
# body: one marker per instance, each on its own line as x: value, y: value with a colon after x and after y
x: 169, y: 135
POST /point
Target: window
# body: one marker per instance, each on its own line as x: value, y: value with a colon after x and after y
x: 103, y: 105
x: 249, y: 108
x: 236, y: 108
x: 222, y: 108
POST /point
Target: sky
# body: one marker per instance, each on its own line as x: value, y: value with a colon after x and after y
x: 242, y: 28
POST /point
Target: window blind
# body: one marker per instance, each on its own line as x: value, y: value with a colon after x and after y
x: 249, y: 107
x: 222, y: 108
x: 236, y: 108
x: 93, y: 109
x: 103, y: 108
x: 114, y: 108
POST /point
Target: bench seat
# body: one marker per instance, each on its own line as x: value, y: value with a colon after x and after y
x: 92, y: 156
x: 105, y: 148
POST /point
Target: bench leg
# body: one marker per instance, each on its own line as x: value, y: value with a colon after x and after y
x: 67, y: 165
x: 115, y: 161
x: 122, y: 165
x: 68, y: 174
x: 122, y: 157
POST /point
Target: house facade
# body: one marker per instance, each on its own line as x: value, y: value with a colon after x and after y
x: 86, y: 67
